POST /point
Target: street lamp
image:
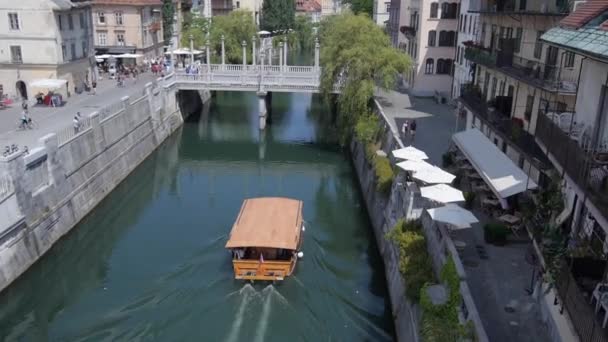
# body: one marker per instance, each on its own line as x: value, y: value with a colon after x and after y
x: 191, y: 49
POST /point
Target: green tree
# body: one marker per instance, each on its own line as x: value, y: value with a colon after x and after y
x: 361, y: 6
x: 278, y: 15
x: 304, y: 31
x: 357, y: 52
x: 168, y: 10
x: 236, y: 27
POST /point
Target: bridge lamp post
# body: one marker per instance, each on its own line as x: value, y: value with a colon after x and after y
x: 244, y: 44
x: 281, y: 56
x: 223, y: 53
x: 317, y: 47
x: 253, y: 51
x: 191, y: 49
x: 285, y: 53
x: 207, y: 55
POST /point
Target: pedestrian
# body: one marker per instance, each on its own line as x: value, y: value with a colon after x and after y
x: 405, y: 128
x: 413, y: 129
x: 94, y: 84
x: 76, y: 123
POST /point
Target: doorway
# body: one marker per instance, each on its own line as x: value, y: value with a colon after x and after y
x: 21, y: 89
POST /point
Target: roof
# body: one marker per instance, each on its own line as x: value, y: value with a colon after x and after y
x: 585, y: 30
x: 308, y: 6
x: 271, y: 222
x: 497, y: 170
x: 128, y: 2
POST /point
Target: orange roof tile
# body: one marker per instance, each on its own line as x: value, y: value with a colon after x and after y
x: 584, y: 13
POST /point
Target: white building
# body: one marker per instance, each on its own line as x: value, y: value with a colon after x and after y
x: 468, y: 26
x: 381, y: 12
x: 41, y: 39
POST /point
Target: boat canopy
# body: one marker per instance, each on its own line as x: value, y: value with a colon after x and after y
x: 268, y: 222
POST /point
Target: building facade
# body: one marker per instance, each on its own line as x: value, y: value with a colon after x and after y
x: 42, y: 39
x: 515, y: 76
x: 310, y: 8
x: 468, y: 25
x: 381, y: 12
x: 128, y: 26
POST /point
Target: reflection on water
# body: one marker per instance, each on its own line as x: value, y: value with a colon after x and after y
x: 149, y: 263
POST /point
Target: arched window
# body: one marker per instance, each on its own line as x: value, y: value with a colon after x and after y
x: 453, y: 10
x: 444, y: 66
x: 434, y: 9
x: 428, y: 67
x: 432, y: 38
x: 445, y: 8
x: 447, y: 38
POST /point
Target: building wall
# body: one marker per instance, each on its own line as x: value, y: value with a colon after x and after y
x: 468, y: 26
x: 381, y: 11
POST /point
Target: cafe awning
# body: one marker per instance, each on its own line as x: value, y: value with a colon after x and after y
x: 48, y: 83
x: 497, y: 170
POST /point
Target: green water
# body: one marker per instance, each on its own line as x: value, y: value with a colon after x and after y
x: 149, y: 263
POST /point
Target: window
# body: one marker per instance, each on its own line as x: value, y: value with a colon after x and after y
x: 70, y: 22
x: 493, y: 91
x: 120, y: 39
x: 428, y: 67
x: 64, y: 52
x: 501, y: 88
x: 460, y: 23
x: 145, y: 38
x: 73, y: 48
x: 432, y: 38
x: 518, y: 34
x: 60, y: 22
x: 458, y: 54
x: 102, y: 38
x: 118, y: 18
x: 13, y: 20
x: 84, y: 49
x: 434, y: 9
x: 101, y: 17
x: 387, y: 5
x: 529, y: 104
x: 447, y: 38
x: 464, y: 28
x: 538, y: 45
x: 444, y: 66
x: 16, y: 56
x: 81, y: 20
x: 569, y: 62
x: 470, y: 21
x: 483, y: 34
x: 449, y: 10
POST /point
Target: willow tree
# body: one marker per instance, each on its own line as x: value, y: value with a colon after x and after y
x: 168, y: 11
x: 357, y: 52
x: 278, y: 15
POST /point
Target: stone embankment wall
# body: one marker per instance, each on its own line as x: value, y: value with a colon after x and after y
x: 404, y: 201
x: 47, y: 192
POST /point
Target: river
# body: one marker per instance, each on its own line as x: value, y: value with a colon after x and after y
x: 149, y: 263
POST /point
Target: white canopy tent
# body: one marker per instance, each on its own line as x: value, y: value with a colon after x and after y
x: 48, y: 83
x: 497, y: 170
x: 129, y: 55
x: 184, y: 51
x: 414, y: 165
x: 453, y: 215
x: 410, y: 153
x: 434, y: 175
x: 442, y: 193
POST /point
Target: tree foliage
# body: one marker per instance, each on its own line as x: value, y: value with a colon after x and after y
x: 304, y: 30
x: 278, y: 15
x: 236, y: 27
x: 168, y: 11
x: 361, y: 6
x: 357, y: 52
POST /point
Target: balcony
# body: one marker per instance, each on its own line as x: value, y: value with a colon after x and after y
x: 548, y: 77
x: 522, y: 7
x: 570, y: 145
x: 498, y: 118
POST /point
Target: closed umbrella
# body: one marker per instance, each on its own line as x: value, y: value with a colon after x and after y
x: 434, y: 175
x: 414, y: 165
x: 442, y: 193
x: 453, y: 215
x: 410, y: 153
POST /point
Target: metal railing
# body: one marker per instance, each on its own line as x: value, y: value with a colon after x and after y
x: 70, y: 132
x: 584, y: 166
x: 558, y: 8
x: 480, y: 55
x: 6, y: 187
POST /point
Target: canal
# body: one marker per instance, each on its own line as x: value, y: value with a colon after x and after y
x: 149, y: 263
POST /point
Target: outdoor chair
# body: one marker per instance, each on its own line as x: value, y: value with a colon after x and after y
x: 601, y: 289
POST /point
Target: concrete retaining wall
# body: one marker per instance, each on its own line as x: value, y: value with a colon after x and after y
x: 53, y: 187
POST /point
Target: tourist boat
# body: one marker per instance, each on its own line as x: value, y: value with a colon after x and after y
x: 266, y: 238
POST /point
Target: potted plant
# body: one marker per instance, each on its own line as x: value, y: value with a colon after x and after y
x: 469, y: 198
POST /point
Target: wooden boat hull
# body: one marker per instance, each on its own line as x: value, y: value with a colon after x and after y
x: 271, y: 270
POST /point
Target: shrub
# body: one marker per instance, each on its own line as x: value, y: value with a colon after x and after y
x: 495, y: 233
x: 414, y: 260
x: 384, y: 174
x: 366, y: 128
x: 370, y: 151
x: 469, y: 198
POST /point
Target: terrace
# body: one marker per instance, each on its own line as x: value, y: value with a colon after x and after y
x: 522, y: 7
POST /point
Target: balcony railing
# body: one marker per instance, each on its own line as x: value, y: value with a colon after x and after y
x: 508, y: 128
x: 549, y: 77
x: 507, y: 7
x: 587, y: 167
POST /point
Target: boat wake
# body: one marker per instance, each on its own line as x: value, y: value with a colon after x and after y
x: 263, y: 324
x: 247, y: 293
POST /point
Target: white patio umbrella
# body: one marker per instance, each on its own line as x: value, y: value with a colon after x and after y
x: 48, y: 83
x: 411, y: 153
x: 453, y: 215
x: 434, y: 175
x: 414, y: 165
x: 442, y: 193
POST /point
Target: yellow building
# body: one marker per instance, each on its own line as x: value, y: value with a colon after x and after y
x: 44, y: 39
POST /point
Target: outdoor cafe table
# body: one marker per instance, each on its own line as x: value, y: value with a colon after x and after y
x: 509, y: 219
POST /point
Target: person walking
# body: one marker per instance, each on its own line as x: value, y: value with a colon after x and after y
x: 405, y: 129
x: 94, y: 84
x: 413, y: 129
x: 76, y: 123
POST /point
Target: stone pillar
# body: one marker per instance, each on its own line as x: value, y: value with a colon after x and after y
x: 223, y: 53
x: 262, y: 107
x: 100, y: 141
x: 244, y: 45
x: 153, y: 114
x: 262, y: 145
x: 14, y: 166
x: 317, y: 47
x: 55, y: 167
x: 207, y: 55
x: 253, y: 52
x: 281, y: 57
x: 285, y: 52
x: 270, y: 56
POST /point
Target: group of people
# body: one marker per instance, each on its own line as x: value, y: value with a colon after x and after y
x: 409, y: 129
